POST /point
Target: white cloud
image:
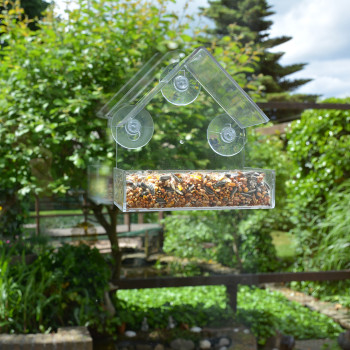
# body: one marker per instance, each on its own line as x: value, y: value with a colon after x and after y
x: 331, y: 78
x: 320, y: 37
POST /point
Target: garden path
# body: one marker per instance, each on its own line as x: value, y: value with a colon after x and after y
x: 337, y: 312
x: 315, y: 344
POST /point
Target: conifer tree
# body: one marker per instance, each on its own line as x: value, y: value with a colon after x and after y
x: 247, y: 21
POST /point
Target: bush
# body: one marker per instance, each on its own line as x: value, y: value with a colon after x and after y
x: 333, y: 248
x: 319, y: 145
x: 63, y: 288
x: 261, y: 310
x: 319, y: 194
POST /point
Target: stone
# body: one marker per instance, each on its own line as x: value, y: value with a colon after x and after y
x: 143, y: 347
x: 159, y: 347
x: 144, y: 326
x: 171, y: 323
x: 224, y: 342
x: 130, y: 334
x: 205, y: 344
x: 196, y: 329
x: 344, y: 340
x: 182, y: 344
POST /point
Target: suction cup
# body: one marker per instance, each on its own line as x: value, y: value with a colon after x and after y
x: 133, y: 133
x: 183, y: 89
x: 225, y: 137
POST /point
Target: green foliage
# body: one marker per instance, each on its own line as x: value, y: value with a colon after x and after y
x: 24, y: 245
x: 187, y: 233
x: 261, y: 310
x: 265, y: 311
x: 52, y: 82
x: 192, y: 305
x: 59, y: 289
x: 319, y: 196
x: 333, y: 248
x: 12, y: 212
x: 319, y: 145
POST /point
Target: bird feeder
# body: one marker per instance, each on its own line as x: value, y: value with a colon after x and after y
x: 180, y: 130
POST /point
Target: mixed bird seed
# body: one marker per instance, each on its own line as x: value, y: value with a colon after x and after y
x: 197, y: 189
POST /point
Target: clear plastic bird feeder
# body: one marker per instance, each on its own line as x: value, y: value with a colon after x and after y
x: 180, y: 131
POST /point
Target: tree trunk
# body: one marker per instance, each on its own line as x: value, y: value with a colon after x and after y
x: 113, y: 238
x: 111, y: 230
x: 236, y: 250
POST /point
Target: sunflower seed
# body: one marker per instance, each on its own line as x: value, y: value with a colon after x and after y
x: 160, y: 200
x: 190, y: 188
x: 233, y: 192
x: 179, y: 192
x: 266, y: 185
x: 220, y: 184
x: 165, y: 177
x: 208, y: 190
x: 130, y: 183
x: 246, y: 195
x: 144, y: 186
x: 151, y: 189
x: 169, y: 189
x: 177, y: 179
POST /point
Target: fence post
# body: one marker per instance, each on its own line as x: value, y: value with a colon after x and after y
x: 140, y: 218
x: 146, y: 244
x: 37, y: 216
x: 231, y: 290
x: 127, y: 221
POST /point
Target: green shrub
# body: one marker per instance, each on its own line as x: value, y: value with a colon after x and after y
x: 187, y: 235
x: 333, y: 248
x: 63, y: 288
x: 318, y: 194
x: 319, y: 145
x: 261, y: 310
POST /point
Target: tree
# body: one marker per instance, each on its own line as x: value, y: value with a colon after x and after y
x: 53, y: 82
x: 246, y: 20
x: 32, y: 9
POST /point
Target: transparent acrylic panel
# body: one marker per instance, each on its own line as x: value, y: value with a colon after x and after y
x: 223, y: 88
x: 180, y: 139
x: 182, y: 76
x: 119, y: 189
x: 100, y: 184
x: 153, y: 190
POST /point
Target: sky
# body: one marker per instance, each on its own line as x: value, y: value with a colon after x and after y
x: 320, y: 31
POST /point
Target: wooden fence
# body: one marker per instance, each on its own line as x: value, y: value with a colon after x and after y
x: 232, y: 281
x: 85, y: 212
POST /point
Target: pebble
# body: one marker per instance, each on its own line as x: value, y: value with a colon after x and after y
x: 130, y: 334
x: 182, y: 344
x: 224, y: 342
x: 246, y: 331
x: 205, y: 344
x: 236, y: 330
x: 196, y: 329
x: 159, y: 347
